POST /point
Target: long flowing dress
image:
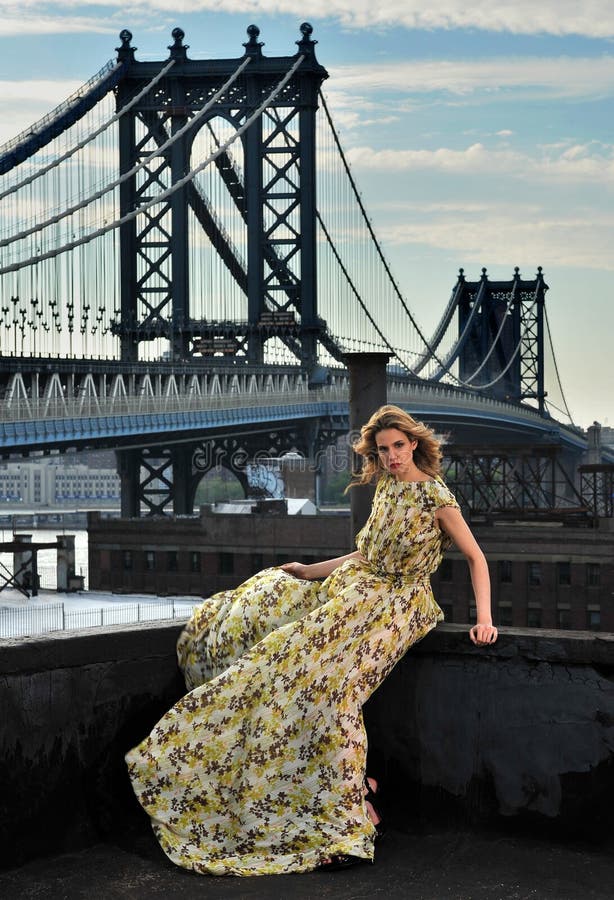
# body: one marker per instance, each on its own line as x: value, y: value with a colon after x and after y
x: 260, y: 768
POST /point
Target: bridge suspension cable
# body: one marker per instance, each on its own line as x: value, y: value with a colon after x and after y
x: 440, y: 331
x: 159, y: 151
x: 453, y: 355
x: 394, y: 350
x: 384, y: 319
x: 375, y: 242
x: 386, y: 310
x: 556, y: 371
x: 91, y: 136
x: 163, y: 195
x: 28, y: 142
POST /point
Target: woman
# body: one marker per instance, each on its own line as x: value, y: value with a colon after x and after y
x: 260, y: 768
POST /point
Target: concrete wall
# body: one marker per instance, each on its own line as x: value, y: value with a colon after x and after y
x: 523, y: 729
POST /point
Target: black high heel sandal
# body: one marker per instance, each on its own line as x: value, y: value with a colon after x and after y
x: 371, y: 797
x: 345, y: 860
x: 341, y: 861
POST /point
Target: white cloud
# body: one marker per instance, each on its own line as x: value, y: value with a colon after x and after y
x: 556, y: 77
x: 572, y: 164
x: 22, y: 24
x: 592, y: 18
x: 515, y: 236
x: 44, y: 91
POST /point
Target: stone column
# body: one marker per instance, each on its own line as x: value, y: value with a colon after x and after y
x: 593, y: 446
x: 129, y: 471
x: 27, y: 578
x: 367, y: 393
x: 66, y: 561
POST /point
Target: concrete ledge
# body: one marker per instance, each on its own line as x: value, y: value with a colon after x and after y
x: 151, y: 639
x: 67, y: 649
x: 522, y: 729
x: 72, y: 705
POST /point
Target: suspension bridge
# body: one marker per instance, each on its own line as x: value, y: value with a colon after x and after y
x: 186, y: 263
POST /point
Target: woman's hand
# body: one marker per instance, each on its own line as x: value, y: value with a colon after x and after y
x: 299, y: 570
x: 482, y: 634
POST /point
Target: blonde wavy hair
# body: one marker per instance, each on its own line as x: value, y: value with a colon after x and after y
x: 427, y: 455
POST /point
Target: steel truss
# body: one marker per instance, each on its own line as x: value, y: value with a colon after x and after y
x: 168, y: 476
x: 275, y: 196
x: 504, y: 481
x: 597, y: 486
x: 501, y: 336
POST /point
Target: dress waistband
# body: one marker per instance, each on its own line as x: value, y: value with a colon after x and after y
x: 401, y: 578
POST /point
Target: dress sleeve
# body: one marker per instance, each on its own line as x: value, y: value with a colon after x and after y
x: 443, y: 496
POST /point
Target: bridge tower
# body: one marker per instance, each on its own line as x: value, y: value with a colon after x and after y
x: 274, y: 196
x: 501, y: 336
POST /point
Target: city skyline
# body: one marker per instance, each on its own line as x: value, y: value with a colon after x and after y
x: 479, y: 137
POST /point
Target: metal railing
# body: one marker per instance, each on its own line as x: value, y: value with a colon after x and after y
x: 92, y: 408
x: 27, y: 621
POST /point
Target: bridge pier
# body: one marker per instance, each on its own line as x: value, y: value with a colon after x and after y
x: 368, y: 391
x: 128, y: 469
x: 183, y: 479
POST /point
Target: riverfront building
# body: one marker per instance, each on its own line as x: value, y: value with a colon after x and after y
x: 51, y: 484
x: 544, y: 575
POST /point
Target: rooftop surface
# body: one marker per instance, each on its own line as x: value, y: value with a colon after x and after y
x: 435, y: 865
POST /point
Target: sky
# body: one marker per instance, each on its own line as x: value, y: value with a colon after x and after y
x: 480, y: 134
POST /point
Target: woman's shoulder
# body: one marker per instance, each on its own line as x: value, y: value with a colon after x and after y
x: 440, y: 494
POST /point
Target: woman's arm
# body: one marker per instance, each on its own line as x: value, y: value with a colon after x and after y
x: 317, y: 571
x: 451, y: 521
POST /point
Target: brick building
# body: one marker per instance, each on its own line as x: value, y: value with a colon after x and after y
x: 207, y: 553
x: 543, y: 575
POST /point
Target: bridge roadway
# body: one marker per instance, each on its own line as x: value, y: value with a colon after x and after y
x: 141, y: 409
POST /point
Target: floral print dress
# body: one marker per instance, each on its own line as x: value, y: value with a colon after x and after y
x: 260, y: 768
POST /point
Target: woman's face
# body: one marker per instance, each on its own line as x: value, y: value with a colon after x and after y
x: 395, y: 451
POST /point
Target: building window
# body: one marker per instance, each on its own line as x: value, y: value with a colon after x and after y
x: 505, y: 571
x: 257, y: 562
x: 593, y: 575
x: 445, y: 570
x: 593, y: 619
x: 448, y: 611
x: 194, y: 561
x: 226, y: 563
x: 563, y: 572
x: 563, y: 618
x: 127, y: 560
x: 150, y: 560
x: 172, y: 563
x: 534, y: 617
x: 504, y: 615
x: 535, y: 574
